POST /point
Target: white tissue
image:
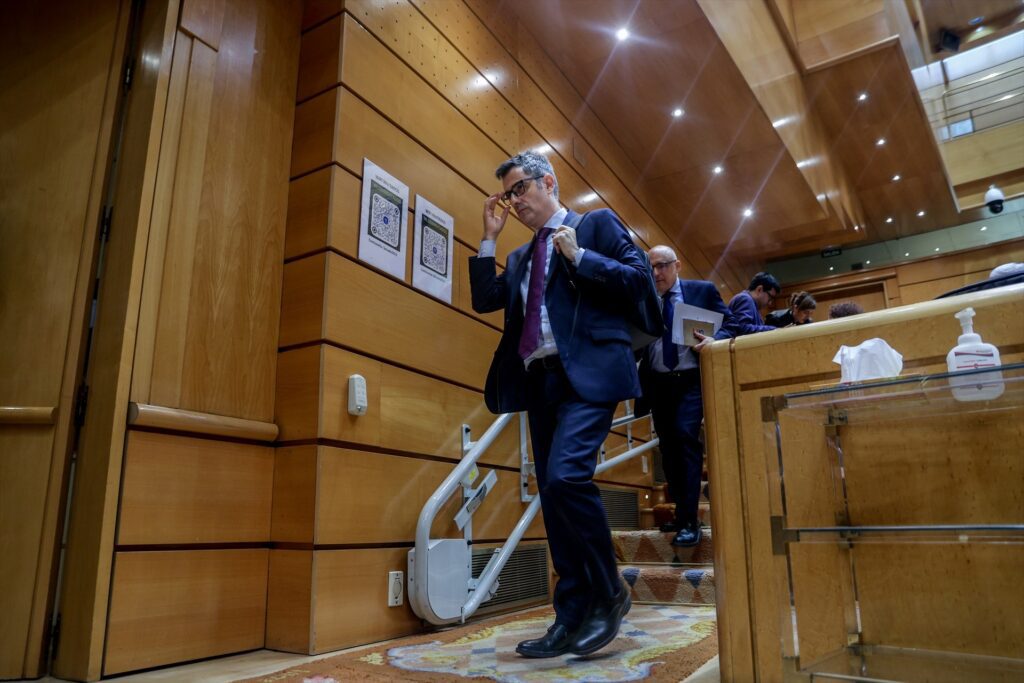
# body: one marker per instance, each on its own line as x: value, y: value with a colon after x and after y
x: 873, y: 359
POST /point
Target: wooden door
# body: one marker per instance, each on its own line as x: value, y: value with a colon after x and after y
x: 60, y: 66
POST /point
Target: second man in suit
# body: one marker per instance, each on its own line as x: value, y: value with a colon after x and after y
x: 670, y: 376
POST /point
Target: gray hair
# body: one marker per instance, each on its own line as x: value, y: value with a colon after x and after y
x: 532, y: 164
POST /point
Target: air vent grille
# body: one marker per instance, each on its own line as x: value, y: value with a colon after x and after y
x: 622, y: 508
x: 523, y: 579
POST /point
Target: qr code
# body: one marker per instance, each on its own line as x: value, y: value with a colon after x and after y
x: 385, y: 216
x: 434, y: 247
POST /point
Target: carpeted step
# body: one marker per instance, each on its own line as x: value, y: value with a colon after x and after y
x: 668, y: 585
x: 650, y: 546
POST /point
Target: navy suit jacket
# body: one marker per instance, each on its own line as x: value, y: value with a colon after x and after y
x: 699, y: 293
x: 747, y: 317
x: 587, y: 308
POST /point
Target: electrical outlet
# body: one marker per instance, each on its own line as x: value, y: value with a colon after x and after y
x: 396, y: 588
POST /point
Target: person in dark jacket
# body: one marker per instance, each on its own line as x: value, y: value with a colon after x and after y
x: 745, y: 306
x: 801, y: 307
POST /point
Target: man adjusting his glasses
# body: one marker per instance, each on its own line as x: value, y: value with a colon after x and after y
x: 565, y: 357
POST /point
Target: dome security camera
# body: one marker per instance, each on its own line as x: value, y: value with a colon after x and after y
x: 994, y: 199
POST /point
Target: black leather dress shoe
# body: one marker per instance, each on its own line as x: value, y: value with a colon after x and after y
x: 688, y: 536
x: 602, y: 624
x: 555, y: 642
x: 671, y: 526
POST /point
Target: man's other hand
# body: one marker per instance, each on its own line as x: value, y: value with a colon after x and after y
x: 565, y: 242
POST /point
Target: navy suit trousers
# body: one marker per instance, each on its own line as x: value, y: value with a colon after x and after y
x: 566, y: 433
x: 677, y: 409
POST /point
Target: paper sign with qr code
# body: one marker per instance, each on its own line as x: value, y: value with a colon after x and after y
x: 432, y: 250
x: 382, y: 222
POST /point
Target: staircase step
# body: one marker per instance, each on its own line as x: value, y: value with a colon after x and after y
x: 663, y: 584
x: 653, y: 546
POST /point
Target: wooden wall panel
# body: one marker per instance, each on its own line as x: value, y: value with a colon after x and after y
x: 350, y: 591
x: 289, y: 601
x: 406, y: 410
x: 204, y: 19
x: 178, y: 489
x: 378, y: 316
x: 57, y: 122
x: 218, y: 272
x: 985, y: 154
x: 363, y: 133
x: 339, y: 496
x: 162, y: 608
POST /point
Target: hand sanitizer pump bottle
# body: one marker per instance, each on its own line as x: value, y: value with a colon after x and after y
x: 971, y: 353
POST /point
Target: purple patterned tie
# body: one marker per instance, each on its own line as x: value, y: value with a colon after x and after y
x: 530, y: 339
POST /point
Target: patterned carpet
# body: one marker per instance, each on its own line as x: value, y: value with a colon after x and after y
x: 652, y: 546
x: 655, y: 643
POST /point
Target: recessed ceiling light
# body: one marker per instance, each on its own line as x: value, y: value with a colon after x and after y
x: 880, y: 142
x: 831, y: 268
x: 889, y: 219
x: 936, y: 248
x: 748, y: 212
x: 861, y: 97
x: 906, y: 253
x: 868, y: 262
x: 979, y: 29
x: 717, y: 170
x: 856, y: 227
x: 920, y: 213
x: 677, y: 112
x: 984, y: 228
x: 622, y: 33
x: 896, y: 178
x: 588, y: 197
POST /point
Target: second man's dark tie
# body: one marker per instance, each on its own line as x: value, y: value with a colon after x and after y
x: 669, y: 352
x: 530, y: 339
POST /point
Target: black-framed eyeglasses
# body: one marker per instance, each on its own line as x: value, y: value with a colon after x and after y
x: 519, y: 189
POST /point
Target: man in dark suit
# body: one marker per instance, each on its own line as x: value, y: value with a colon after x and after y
x: 745, y: 306
x: 564, y: 357
x: 670, y: 377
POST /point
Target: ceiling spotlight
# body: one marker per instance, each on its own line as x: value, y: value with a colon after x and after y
x: 831, y: 268
x: 748, y: 212
x: 868, y: 262
x: 889, y: 219
x: 880, y: 142
x: 622, y: 33
x: 920, y: 213
x: 717, y: 170
x: 936, y: 248
x: 906, y: 253
x: 856, y: 227
x: 861, y: 97
x: 677, y: 112
x: 896, y: 178
x: 984, y: 228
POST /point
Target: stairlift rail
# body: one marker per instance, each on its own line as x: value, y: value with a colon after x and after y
x: 482, y: 586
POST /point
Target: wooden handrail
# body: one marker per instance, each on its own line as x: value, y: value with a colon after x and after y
x: 176, y: 419
x: 27, y: 415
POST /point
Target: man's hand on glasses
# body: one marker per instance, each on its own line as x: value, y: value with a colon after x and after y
x: 494, y: 224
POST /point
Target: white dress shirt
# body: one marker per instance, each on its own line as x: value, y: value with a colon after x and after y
x: 687, y: 359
